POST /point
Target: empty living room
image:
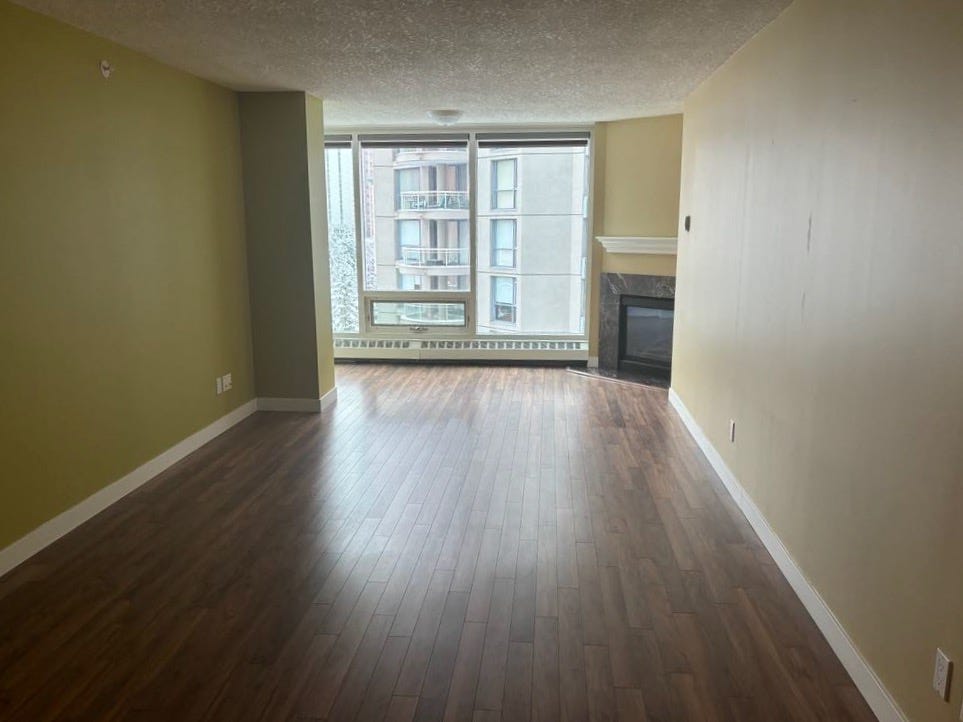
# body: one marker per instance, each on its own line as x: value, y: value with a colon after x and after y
x: 484, y: 361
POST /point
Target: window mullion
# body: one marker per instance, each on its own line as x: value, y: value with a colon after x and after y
x: 364, y: 324
x: 473, y: 191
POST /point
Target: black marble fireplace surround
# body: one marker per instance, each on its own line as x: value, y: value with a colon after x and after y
x: 615, y: 285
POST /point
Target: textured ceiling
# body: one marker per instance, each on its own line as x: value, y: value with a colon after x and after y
x: 384, y: 62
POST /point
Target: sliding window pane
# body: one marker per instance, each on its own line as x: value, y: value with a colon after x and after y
x: 415, y: 210
x: 533, y: 223
x: 342, y: 246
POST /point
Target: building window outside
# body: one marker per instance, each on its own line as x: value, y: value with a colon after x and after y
x: 408, y: 282
x: 504, y: 300
x: 409, y: 240
x: 407, y: 180
x: 503, y: 241
x: 504, y: 177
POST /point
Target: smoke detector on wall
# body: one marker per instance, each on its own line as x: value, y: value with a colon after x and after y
x: 445, y: 116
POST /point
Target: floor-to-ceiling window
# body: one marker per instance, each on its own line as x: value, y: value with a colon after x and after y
x: 531, y: 233
x: 459, y: 235
x: 342, y: 235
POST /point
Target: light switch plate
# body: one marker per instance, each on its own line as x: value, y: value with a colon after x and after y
x: 228, y: 382
x: 219, y: 385
x: 941, y: 674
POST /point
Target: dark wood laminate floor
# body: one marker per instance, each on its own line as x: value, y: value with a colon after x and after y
x: 445, y: 543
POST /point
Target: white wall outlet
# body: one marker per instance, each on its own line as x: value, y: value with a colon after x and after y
x: 228, y: 382
x: 732, y: 431
x: 941, y: 674
x: 219, y: 385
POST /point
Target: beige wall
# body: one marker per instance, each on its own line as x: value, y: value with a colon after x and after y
x: 820, y: 305
x: 123, y: 280
x: 282, y: 139
x: 636, y: 193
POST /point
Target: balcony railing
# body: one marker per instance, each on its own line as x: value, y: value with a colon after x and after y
x: 438, y: 314
x: 430, y: 257
x: 434, y: 201
x: 418, y: 313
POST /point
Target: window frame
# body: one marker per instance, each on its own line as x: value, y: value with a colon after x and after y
x: 472, y: 139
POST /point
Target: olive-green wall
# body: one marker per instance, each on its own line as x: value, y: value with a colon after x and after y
x: 820, y: 305
x: 282, y: 221
x: 317, y: 196
x: 638, y: 163
x: 123, y: 278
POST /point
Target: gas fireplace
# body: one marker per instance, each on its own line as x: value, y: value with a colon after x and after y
x: 645, y: 335
x: 635, y: 324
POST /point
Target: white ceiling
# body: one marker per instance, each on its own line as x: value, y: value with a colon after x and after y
x: 384, y: 62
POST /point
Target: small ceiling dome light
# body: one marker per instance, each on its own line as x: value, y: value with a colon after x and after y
x: 445, y: 117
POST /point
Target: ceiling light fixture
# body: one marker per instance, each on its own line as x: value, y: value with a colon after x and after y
x: 445, y: 116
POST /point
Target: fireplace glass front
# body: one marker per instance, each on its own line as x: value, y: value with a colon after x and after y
x: 645, y: 335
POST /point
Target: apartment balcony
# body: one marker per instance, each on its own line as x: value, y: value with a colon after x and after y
x: 434, y: 261
x: 421, y: 201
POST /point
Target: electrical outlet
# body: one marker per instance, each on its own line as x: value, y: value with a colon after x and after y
x: 228, y: 382
x: 732, y: 431
x: 941, y: 674
x: 219, y: 385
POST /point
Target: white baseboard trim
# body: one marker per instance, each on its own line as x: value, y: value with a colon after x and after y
x: 877, y: 696
x: 593, y: 362
x: 50, y: 531
x: 313, y: 406
x: 329, y: 398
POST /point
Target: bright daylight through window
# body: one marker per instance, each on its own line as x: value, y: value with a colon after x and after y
x: 415, y: 248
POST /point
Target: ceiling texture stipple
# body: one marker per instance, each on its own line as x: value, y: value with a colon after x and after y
x: 387, y: 62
